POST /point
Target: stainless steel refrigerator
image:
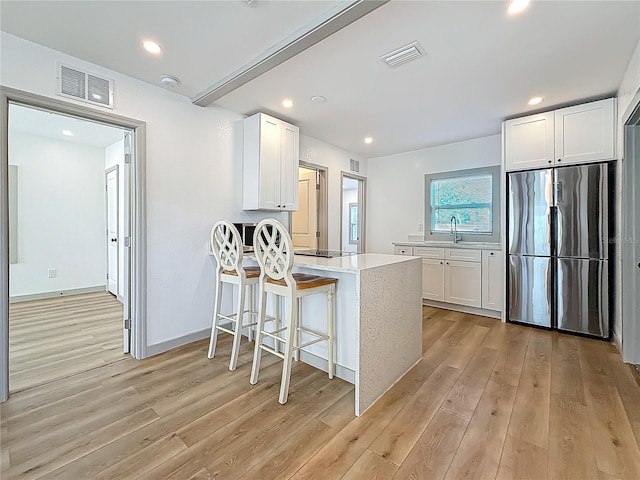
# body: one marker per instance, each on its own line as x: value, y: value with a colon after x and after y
x: 558, y: 223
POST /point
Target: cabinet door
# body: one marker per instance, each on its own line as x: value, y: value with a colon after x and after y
x: 493, y: 278
x: 529, y: 142
x: 433, y: 279
x: 462, y: 283
x: 585, y: 133
x: 270, y: 147
x: 289, y: 163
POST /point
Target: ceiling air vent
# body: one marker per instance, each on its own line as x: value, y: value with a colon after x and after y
x: 84, y: 86
x: 403, y: 55
x: 354, y: 165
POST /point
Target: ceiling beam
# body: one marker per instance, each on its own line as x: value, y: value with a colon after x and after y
x: 335, y: 19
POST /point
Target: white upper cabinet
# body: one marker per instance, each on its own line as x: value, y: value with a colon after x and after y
x: 579, y: 134
x: 270, y: 164
x: 529, y: 142
x: 585, y: 133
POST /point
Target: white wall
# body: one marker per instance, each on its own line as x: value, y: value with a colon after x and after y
x: 336, y: 160
x: 114, y: 155
x: 629, y: 86
x: 61, y: 221
x: 395, y: 191
x: 348, y: 196
x: 194, y: 168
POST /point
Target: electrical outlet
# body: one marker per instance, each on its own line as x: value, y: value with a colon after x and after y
x: 53, y: 273
x: 420, y: 227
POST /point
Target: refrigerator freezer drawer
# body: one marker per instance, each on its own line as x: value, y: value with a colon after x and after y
x: 531, y: 290
x: 583, y: 296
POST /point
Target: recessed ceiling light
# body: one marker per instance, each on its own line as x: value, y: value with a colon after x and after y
x: 287, y: 103
x: 68, y: 133
x: 368, y: 139
x: 151, y: 47
x: 318, y: 99
x: 516, y: 6
x: 535, y: 101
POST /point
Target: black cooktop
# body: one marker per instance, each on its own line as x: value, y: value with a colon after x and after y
x: 323, y: 253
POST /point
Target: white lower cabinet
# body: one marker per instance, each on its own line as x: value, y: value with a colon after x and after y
x: 493, y: 276
x: 463, y: 283
x: 433, y: 279
x: 473, y: 278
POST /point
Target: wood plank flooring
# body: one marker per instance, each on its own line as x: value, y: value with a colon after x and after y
x: 487, y: 400
x: 62, y: 336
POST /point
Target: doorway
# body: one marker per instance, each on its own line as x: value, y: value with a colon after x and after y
x: 132, y: 311
x: 630, y: 238
x: 309, y: 224
x: 352, y: 213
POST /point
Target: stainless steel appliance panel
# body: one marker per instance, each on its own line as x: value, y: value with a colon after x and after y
x: 582, y: 201
x: 530, y: 201
x: 531, y: 290
x: 583, y: 296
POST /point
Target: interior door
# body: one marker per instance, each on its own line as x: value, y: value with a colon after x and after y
x: 304, y: 221
x: 126, y: 237
x: 112, y: 230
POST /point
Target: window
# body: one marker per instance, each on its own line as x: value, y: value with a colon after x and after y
x: 471, y: 196
x: 353, y: 223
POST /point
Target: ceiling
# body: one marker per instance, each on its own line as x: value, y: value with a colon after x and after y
x: 481, y: 65
x: 50, y: 125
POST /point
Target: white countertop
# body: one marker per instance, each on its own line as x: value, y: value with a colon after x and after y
x: 350, y: 263
x: 469, y: 245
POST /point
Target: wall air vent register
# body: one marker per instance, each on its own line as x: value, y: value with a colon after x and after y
x: 84, y: 86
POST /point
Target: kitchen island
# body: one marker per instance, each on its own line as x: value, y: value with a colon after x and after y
x: 378, y: 325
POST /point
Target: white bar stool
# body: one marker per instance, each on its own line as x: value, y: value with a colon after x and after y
x: 227, y: 248
x: 274, y: 251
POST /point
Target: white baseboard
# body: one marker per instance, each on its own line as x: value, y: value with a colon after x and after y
x: 57, y: 293
x: 463, y: 308
x: 162, y: 347
x: 320, y: 363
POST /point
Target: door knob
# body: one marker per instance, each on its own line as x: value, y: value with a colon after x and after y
x: 638, y: 265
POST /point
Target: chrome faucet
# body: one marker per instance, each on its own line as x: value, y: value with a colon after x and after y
x: 454, y: 229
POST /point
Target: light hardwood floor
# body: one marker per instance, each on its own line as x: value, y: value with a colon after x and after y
x: 59, y: 337
x: 487, y: 400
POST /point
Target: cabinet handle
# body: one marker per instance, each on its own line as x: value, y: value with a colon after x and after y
x: 440, y: 263
x: 559, y: 160
x: 548, y: 161
x: 491, y: 253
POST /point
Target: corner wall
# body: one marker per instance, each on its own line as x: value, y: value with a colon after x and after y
x: 395, y: 190
x: 629, y: 86
x: 60, y: 215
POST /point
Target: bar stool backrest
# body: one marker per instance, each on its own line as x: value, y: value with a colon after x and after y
x: 274, y: 250
x: 227, y: 246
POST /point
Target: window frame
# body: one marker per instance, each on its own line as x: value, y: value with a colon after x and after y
x: 494, y: 236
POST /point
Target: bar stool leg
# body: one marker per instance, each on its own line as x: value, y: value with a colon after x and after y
x: 251, y: 313
x: 255, y: 367
x: 292, y: 325
x: 235, y: 349
x: 216, y: 318
x: 296, y: 352
x: 330, y: 312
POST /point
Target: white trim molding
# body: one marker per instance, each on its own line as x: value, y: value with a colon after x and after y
x: 138, y: 271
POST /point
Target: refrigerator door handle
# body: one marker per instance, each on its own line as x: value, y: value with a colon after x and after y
x: 559, y: 185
